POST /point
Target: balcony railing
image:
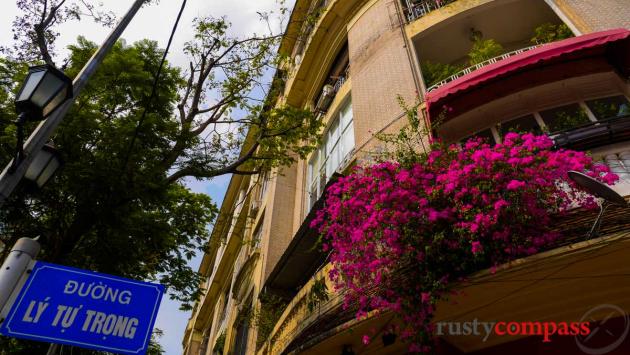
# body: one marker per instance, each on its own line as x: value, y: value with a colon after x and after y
x: 330, y: 90
x: 478, y: 66
x: 594, y: 134
x: 415, y: 9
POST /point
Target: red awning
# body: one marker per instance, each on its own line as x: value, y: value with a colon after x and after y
x: 591, y: 53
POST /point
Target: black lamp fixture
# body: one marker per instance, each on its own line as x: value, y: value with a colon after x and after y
x: 44, y: 165
x: 44, y: 90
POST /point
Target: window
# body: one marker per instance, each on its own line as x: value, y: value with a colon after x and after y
x: 609, y: 107
x: 520, y: 125
x: 257, y: 236
x: 264, y: 183
x: 564, y: 117
x: 242, y: 331
x: 337, y: 145
x: 224, y: 305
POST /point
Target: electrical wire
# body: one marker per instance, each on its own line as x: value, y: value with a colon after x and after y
x: 154, y: 85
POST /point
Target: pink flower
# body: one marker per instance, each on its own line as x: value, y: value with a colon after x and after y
x: 365, y: 340
x: 426, y: 297
x: 515, y: 185
x: 500, y: 204
x: 442, y: 210
x: 476, y: 247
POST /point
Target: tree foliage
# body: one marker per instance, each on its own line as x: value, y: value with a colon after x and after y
x: 120, y: 205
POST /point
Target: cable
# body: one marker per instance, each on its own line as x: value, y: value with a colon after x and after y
x: 154, y: 85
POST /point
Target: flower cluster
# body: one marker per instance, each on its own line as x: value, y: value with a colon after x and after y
x: 400, y: 234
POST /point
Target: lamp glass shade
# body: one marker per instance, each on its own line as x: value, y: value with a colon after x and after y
x: 43, y: 166
x: 45, y: 89
x: 32, y: 80
x: 56, y: 101
x: 48, y: 88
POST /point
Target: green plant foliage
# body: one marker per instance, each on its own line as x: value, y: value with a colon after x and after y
x: 433, y: 72
x: 549, y: 32
x: 219, y: 345
x: 265, y: 317
x: 561, y: 119
x: 484, y: 49
x: 317, y: 294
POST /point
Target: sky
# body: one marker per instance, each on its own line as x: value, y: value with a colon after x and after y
x: 155, y: 23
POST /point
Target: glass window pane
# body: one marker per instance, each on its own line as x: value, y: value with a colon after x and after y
x: 520, y: 125
x: 346, y: 114
x: 348, y: 140
x: 564, y: 117
x: 609, y: 107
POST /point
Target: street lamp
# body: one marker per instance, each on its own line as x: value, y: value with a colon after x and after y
x: 44, y: 90
x: 43, y: 165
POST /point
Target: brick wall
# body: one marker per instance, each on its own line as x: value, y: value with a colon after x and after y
x: 379, y: 68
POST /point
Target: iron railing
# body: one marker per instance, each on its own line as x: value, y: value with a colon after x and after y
x: 415, y: 9
x: 594, y: 134
x: 478, y: 66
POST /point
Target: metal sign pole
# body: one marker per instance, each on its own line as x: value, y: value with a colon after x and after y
x: 52, y: 350
x: 22, y: 254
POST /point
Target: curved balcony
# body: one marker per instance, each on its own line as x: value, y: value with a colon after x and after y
x: 299, y: 317
x: 478, y: 66
x: 601, y: 52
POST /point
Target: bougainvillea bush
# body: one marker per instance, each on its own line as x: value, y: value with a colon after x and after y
x: 400, y: 234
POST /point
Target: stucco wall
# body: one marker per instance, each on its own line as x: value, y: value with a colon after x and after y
x: 280, y: 212
x: 596, y: 15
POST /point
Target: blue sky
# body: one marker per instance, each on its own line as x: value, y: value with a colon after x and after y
x: 155, y: 23
x: 170, y: 319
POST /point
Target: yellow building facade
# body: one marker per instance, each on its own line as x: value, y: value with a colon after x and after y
x: 267, y: 289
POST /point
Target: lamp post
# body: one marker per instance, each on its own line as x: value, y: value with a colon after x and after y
x: 43, y: 91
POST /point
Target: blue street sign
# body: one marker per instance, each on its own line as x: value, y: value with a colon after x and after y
x: 64, y: 305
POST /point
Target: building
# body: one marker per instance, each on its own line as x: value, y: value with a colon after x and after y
x: 267, y: 289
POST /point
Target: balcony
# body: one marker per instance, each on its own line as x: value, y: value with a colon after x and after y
x: 299, y: 319
x: 477, y: 92
x: 478, y: 66
x: 415, y: 9
x: 331, y: 88
x: 302, y: 258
